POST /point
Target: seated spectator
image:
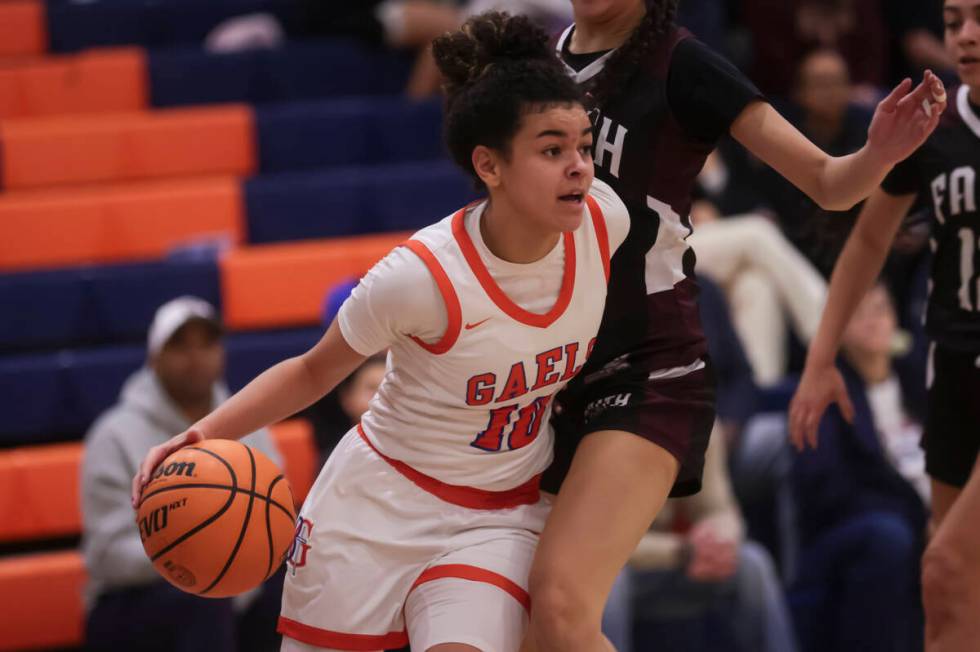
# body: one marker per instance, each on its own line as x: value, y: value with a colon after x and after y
x: 694, y: 572
x: 861, y: 500
x: 784, y: 30
x: 334, y: 414
x: 703, y: 587
x: 400, y: 24
x: 130, y: 607
x: 822, y: 109
x: 769, y: 284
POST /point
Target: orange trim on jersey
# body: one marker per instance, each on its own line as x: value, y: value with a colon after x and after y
x: 497, y: 295
x: 601, y: 233
x: 341, y: 640
x: 470, y: 497
x: 449, y: 297
x: 475, y: 574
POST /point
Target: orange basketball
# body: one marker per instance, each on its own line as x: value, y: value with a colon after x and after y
x: 217, y: 519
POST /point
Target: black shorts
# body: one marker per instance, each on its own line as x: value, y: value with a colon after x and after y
x: 952, y: 434
x: 673, y: 408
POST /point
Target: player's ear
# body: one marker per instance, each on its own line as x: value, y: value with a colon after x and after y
x: 486, y: 163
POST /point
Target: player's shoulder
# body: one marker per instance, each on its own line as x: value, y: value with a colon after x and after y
x: 614, y: 211
x: 439, y: 235
x: 611, y: 204
x: 959, y: 113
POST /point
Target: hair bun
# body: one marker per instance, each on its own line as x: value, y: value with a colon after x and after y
x: 484, y: 40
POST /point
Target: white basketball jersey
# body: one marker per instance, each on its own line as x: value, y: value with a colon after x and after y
x: 473, y: 409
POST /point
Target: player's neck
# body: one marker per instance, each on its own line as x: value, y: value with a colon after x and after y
x: 607, y: 33
x: 513, y: 238
x: 975, y: 95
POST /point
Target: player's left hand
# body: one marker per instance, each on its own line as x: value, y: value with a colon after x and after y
x: 904, y: 119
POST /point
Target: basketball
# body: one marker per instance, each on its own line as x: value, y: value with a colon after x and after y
x: 216, y: 518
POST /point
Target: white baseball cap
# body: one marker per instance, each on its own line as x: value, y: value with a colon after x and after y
x: 173, y: 315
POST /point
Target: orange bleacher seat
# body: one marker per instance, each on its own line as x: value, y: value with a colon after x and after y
x: 39, y: 492
x: 42, y: 600
x: 39, y: 485
x: 283, y: 285
x: 42, y: 593
x: 124, y: 146
x: 115, y: 223
x: 22, y: 27
x: 98, y: 81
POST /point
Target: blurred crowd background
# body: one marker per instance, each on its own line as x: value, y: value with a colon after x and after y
x: 188, y: 189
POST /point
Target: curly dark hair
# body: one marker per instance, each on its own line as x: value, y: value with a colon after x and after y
x: 622, y: 65
x: 497, y: 68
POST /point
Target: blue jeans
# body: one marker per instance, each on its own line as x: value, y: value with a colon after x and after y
x: 746, y: 613
x: 857, y: 587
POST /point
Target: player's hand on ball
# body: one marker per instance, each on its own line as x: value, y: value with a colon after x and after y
x: 156, y: 455
x: 905, y: 118
x: 819, y: 387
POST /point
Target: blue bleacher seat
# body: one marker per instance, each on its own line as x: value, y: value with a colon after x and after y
x: 351, y: 201
x: 305, y: 205
x: 303, y: 135
x: 74, y: 25
x: 56, y: 396
x: 411, y: 196
x: 95, y: 305
x: 300, y: 70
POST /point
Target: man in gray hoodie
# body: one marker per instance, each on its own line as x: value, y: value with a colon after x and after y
x: 130, y: 607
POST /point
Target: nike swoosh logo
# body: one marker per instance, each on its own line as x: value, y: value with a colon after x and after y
x: 475, y: 324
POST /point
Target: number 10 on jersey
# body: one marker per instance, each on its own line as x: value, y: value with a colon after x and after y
x: 523, y: 432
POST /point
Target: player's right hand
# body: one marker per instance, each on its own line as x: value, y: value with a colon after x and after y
x: 156, y: 455
x: 819, y: 387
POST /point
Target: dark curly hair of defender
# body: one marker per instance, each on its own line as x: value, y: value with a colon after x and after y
x: 497, y: 67
x: 622, y: 65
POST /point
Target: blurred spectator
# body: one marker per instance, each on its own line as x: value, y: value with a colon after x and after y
x: 736, y: 392
x: 130, y: 606
x: 861, y: 498
x: 337, y: 412
x: 704, y: 587
x: 764, y: 277
x: 400, y: 24
x: 784, y: 30
x: 822, y: 111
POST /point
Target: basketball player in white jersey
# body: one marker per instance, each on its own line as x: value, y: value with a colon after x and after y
x: 422, y: 525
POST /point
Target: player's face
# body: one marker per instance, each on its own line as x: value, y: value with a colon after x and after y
x: 191, y: 362
x: 549, y: 170
x: 962, y: 19
x: 873, y: 326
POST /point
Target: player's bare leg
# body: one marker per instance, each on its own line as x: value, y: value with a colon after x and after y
x: 951, y: 570
x: 617, y: 484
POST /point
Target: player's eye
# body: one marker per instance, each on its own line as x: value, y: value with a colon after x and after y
x: 954, y: 25
x: 586, y: 150
x: 553, y: 152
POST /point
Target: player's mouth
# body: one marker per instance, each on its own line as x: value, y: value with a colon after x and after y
x: 969, y: 61
x: 573, y: 198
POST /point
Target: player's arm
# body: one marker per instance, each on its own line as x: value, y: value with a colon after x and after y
x: 855, y: 272
x: 900, y: 125
x: 397, y: 296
